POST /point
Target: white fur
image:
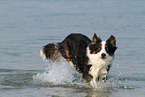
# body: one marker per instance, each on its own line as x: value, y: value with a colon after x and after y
x: 42, y: 54
x: 99, y: 65
x: 103, y: 49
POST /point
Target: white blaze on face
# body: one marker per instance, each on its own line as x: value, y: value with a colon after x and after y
x: 103, y: 49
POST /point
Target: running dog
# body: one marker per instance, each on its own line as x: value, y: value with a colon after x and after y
x: 90, y: 58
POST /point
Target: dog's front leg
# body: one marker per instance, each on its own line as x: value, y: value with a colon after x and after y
x: 93, y: 83
x: 95, y: 75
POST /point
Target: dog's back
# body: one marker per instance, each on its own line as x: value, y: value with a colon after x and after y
x: 70, y: 48
x: 74, y: 46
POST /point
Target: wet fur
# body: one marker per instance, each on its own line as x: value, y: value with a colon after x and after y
x: 88, y: 57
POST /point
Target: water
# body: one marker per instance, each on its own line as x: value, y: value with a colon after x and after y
x: 27, y: 25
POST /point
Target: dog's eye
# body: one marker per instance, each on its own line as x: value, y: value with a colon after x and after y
x: 94, y: 52
x: 100, y: 48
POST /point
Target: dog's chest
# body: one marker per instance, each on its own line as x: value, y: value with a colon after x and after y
x: 99, y: 66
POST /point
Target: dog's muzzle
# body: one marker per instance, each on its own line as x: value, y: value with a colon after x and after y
x: 103, y: 55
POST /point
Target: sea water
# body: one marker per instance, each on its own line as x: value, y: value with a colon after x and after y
x: 27, y: 25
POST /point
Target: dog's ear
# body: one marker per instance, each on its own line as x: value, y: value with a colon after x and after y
x: 112, y: 40
x: 96, y: 39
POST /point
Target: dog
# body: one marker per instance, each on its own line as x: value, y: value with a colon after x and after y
x: 91, y: 58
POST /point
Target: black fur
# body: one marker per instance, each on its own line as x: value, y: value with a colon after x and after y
x: 74, y: 48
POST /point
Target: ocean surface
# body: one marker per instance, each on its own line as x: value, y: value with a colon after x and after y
x: 28, y: 25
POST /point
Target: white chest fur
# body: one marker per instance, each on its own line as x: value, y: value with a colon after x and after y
x: 98, y: 63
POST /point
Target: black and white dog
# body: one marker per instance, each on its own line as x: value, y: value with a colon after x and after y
x: 91, y: 58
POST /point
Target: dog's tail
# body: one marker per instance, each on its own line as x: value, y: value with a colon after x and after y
x: 50, y: 51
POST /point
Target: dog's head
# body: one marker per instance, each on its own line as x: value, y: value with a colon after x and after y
x: 103, y: 48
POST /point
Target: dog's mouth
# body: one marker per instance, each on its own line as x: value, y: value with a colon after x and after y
x: 103, y: 57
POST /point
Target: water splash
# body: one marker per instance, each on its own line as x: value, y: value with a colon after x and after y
x: 61, y: 73
x: 57, y: 73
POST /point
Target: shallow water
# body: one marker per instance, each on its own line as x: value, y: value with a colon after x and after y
x: 27, y: 25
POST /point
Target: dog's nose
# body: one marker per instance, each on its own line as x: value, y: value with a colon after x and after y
x: 103, y: 55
